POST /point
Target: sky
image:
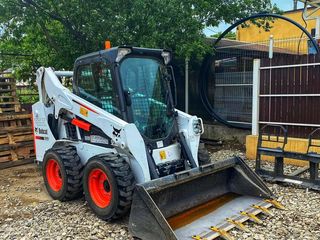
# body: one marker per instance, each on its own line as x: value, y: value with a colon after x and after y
x: 284, y: 5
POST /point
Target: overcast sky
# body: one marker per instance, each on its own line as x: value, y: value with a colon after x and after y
x: 284, y: 5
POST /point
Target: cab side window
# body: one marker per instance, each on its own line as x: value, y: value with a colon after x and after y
x: 95, y: 84
x: 86, y: 85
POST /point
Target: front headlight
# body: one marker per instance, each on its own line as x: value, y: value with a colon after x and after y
x: 197, y: 126
x: 166, y: 56
x: 122, y: 52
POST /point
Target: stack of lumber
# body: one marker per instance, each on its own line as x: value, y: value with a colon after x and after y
x: 16, y: 139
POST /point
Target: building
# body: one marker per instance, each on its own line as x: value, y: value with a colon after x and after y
x: 281, y: 29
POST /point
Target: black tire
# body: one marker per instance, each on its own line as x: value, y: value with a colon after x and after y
x: 120, y: 184
x: 70, y: 173
x: 203, y: 154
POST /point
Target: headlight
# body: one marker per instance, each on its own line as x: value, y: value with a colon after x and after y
x: 122, y: 52
x: 166, y: 56
x: 197, y: 126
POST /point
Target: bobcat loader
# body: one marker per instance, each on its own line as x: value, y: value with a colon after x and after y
x: 117, y: 138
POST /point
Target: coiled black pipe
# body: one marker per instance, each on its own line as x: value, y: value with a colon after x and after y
x: 206, y: 69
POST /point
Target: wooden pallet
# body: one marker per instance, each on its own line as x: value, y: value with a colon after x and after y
x: 11, y: 120
x: 16, y: 139
x: 16, y: 146
x: 8, y: 99
x: 18, y: 152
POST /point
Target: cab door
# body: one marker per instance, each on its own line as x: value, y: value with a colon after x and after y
x: 95, y: 83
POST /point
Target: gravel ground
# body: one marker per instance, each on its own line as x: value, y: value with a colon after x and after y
x: 26, y: 212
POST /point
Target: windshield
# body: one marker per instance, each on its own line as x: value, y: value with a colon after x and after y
x: 144, y: 79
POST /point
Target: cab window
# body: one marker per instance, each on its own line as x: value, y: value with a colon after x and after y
x: 95, y: 84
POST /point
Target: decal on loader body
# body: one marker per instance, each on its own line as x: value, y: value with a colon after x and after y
x: 116, y: 132
x: 84, y: 111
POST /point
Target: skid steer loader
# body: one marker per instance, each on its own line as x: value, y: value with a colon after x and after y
x: 117, y: 138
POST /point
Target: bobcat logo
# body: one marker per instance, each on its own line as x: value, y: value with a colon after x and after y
x: 116, y: 132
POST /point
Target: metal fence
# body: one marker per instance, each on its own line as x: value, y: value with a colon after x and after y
x: 233, y: 95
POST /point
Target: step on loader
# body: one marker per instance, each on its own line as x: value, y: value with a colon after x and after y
x: 117, y: 138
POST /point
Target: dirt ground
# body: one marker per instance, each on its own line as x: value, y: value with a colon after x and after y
x: 27, y: 211
x: 21, y: 186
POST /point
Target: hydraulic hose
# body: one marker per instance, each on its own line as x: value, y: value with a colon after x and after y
x: 206, y: 67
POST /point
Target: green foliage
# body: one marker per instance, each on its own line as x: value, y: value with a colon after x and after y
x: 27, y: 94
x: 229, y: 35
x: 57, y: 32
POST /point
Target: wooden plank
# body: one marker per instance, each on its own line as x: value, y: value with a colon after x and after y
x: 14, y: 124
x: 6, y: 78
x: 22, y: 112
x: 5, y: 143
x: 17, y: 107
x: 7, y: 109
x: 6, y: 117
x: 7, y: 83
x: 4, y: 153
x: 9, y: 103
x: 14, y: 156
x: 25, y: 152
x: 22, y: 138
x: 5, y: 156
x: 6, y: 96
x: 15, y: 146
x: 18, y: 134
x: 11, y: 139
x: 4, y: 140
x: 14, y: 129
x: 16, y: 163
x: 17, y: 153
x: 19, y: 123
x: 6, y: 90
x: 5, y: 159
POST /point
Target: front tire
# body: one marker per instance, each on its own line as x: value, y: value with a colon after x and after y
x: 108, y: 185
x: 62, y: 173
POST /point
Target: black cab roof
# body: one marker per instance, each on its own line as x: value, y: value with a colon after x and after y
x: 111, y: 54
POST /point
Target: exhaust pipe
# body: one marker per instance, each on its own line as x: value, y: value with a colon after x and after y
x: 201, y: 203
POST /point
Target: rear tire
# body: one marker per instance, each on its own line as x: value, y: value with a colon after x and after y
x: 62, y: 173
x: 108, y: 186
x: 203, y: 154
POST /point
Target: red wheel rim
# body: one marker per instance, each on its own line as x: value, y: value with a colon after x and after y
x: 53, y: 173
x: 99, y: 188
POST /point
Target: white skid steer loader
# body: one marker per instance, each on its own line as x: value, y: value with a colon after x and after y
x: 117, y: 138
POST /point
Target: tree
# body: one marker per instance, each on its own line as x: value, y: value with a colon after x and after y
x: 56, y: 32
x: 229, y: 35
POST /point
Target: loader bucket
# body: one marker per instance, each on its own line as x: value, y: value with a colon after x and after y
x: 201, y: 203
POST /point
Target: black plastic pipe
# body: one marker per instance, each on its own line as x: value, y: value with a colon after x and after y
x: 205, y: 69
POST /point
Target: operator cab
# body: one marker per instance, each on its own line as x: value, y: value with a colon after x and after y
x: 133, y: 84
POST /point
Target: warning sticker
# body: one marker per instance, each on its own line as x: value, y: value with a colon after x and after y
x: 84, y: 111
x: 163, y: 155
